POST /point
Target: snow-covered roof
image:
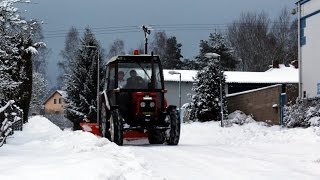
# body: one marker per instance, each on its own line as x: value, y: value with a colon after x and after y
x: 282, y: 74
x: 62, y: 93
x: 114, y: 58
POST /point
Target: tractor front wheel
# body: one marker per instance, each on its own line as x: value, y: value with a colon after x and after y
x: 173, y: 133
x: 156, y: 137
x: 116, y: 127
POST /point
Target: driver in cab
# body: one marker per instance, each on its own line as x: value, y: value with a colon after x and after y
x: 134, y: 81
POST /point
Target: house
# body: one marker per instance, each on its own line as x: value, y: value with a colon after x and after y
x: 309, y: 48
x: 236, y: 81
x: 55, y: 103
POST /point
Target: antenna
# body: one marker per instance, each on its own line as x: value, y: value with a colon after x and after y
x: 147, y: 30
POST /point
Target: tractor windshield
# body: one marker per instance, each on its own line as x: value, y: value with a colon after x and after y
x: 138, y: 75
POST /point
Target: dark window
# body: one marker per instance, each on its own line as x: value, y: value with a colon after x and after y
x: 54, y: 101
x: 60, y: 100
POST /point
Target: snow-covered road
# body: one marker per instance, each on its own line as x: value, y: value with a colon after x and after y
x: 206, y: 151
x: 252, y: 151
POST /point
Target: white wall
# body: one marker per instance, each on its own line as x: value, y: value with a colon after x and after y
x: 310, y: 51
x: 172, y: 95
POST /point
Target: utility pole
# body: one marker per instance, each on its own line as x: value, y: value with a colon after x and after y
x: 147, y: 31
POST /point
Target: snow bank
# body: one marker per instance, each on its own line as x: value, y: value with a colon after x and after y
x: 43, y: 151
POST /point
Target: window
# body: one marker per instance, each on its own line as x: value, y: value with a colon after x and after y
x: 54, y: 101
x: 60, y: 100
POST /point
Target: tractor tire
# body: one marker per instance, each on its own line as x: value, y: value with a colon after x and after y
x: 156, y: 137
x: 104, y: 124
x: 116, y: 127
x: 173, y: 133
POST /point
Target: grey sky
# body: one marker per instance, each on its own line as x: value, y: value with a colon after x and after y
x: 62, y: 14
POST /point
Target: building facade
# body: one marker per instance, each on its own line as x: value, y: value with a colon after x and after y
x: 309, y: 48
x: 55, y: 103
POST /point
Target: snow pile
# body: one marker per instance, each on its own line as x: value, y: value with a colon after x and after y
x: 238, y: 117
x: 43, y: 151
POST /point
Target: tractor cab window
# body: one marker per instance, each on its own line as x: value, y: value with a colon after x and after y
x: 135, y: 75
x: 111, y: 81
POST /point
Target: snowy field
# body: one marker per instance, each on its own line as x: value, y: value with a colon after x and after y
x: 206, y: 151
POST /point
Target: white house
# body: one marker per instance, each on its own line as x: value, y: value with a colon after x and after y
x: 237, y: 81
x: 309, y: 48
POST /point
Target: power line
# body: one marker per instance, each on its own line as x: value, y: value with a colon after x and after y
x: 159, y: 27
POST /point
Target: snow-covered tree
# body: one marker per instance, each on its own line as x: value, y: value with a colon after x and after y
x: 81, y: 86
x: 39, y: 92
x: 217, y: 44
x: 205, y: 105
x: 16, y: 49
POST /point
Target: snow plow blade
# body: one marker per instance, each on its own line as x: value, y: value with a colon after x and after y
x: 128, y: 135
x: 91, y: 127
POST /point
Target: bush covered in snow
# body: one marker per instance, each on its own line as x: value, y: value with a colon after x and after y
x: 304, y: 113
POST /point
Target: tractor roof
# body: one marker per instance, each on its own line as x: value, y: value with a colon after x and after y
x: 129, y: 57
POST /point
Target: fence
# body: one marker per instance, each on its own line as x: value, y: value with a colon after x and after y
x: 10, y: 120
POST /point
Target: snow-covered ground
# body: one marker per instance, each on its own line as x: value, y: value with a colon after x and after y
x: 206, y: 151
x: 43, y: 151
x: 252, y: 151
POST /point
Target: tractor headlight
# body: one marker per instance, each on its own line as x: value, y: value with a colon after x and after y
x: 152, y: 104
x: 143, y: 104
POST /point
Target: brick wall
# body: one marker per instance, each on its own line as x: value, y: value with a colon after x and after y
x: 258, y: 102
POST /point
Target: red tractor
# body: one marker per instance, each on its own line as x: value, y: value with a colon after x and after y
x: 133, y: 100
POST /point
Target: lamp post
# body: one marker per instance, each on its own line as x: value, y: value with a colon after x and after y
x: 176, y: 72
x: 98, y: 78
x: 217, y: 56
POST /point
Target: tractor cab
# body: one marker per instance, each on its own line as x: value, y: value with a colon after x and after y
x: 133, y: 99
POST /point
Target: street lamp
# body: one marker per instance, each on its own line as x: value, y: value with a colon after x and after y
x: 98, y: 79
x: 217, y: 56
x: 172, y: 73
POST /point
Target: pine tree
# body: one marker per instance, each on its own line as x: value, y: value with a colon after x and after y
x: 172, y: 54
x: 68, y: 54
x: 81, y: 86
x: 168, y: 49
x: 205, y: 105
x: 217, y: 44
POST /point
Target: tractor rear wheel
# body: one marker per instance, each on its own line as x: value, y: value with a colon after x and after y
x: 173, y: 133
x: 116, y: 127
x: 156, y: 137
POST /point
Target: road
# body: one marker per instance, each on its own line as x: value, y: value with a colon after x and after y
x: 207, y: 151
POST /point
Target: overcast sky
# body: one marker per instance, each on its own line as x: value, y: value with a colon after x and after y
x: 59, y: 15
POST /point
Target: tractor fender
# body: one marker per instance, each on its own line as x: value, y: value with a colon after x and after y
x: 104, y: 99
x: 170, y: 107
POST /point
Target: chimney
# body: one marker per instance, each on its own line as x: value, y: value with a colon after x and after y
x: 295, y: 64
x: 275, y: 64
